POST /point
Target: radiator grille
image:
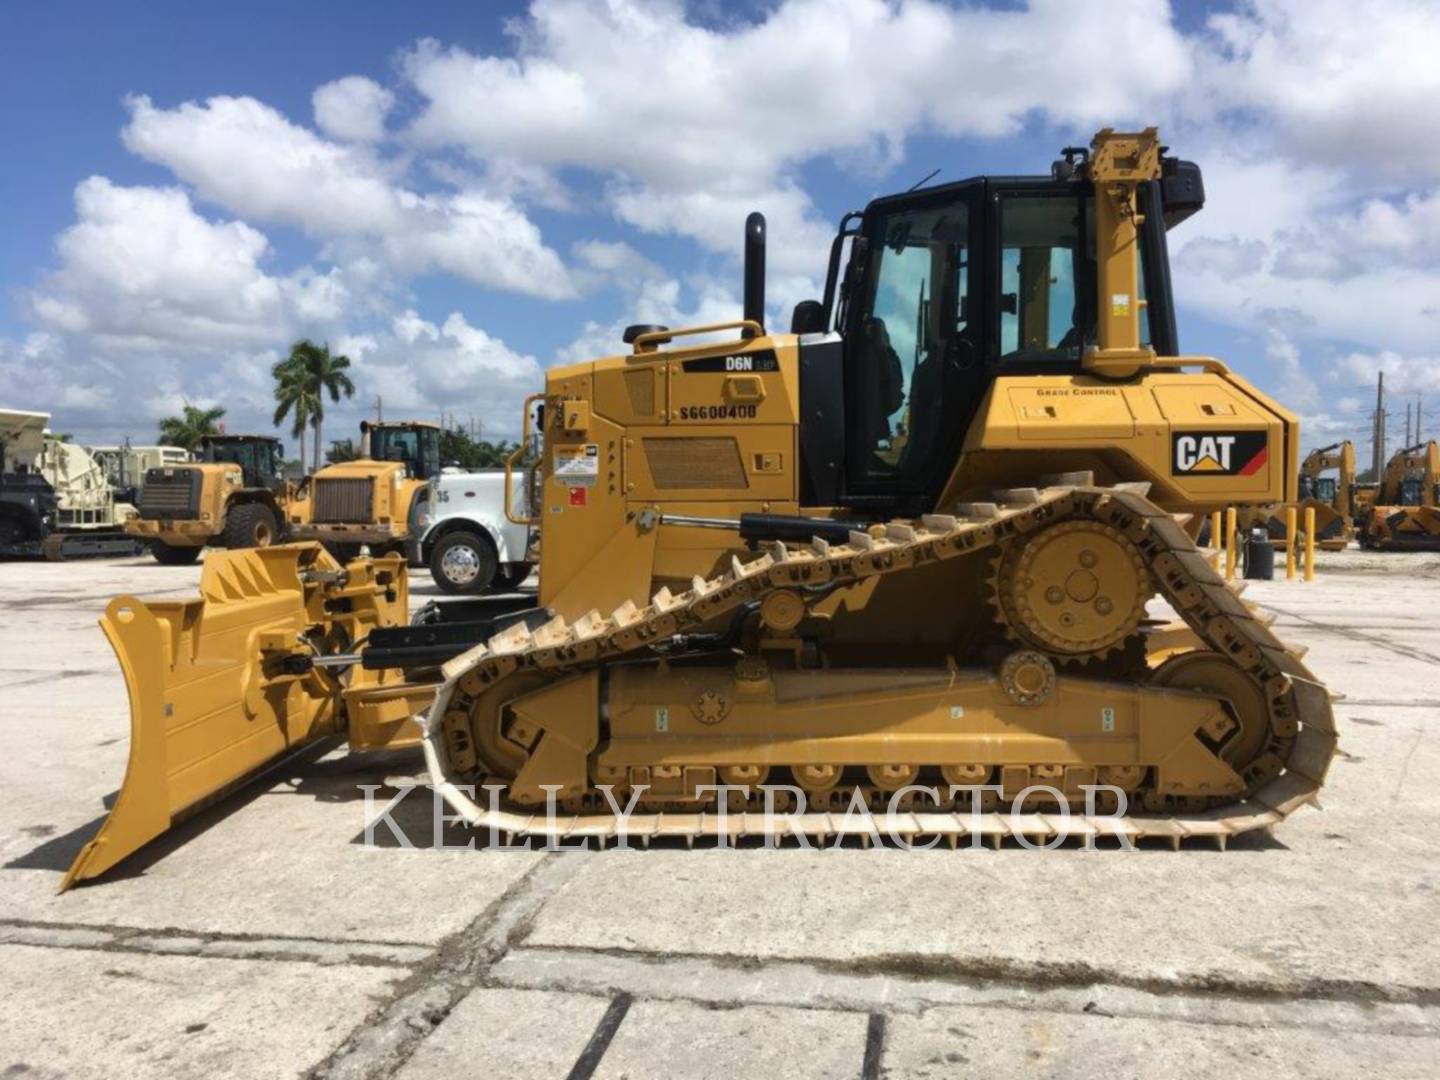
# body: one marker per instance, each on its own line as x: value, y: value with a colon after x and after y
x: 695, y: 463
x: 171, y: 493
x: 342, y: 500
x: 640, y: 386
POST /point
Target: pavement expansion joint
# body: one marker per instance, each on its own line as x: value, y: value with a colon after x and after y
x: 913, y: 984
x: 417, y: 1004
x: 1353, y: 634
x: 871, y: 1067
x: 590, y: 1058
x: 213, y: 944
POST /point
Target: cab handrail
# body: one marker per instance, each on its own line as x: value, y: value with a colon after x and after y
x: 647, y: 342
x: 515, y: 456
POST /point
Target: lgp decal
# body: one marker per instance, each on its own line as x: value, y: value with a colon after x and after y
x: 1218, y: 453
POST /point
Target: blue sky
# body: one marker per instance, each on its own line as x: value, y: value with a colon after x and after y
x: 458, y: 195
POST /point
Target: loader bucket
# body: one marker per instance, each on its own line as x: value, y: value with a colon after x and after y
x: 220, y: 685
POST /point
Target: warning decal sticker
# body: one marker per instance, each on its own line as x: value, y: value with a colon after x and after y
x: 578, y: 466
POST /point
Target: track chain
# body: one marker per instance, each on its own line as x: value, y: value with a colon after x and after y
x: 1286, y: 775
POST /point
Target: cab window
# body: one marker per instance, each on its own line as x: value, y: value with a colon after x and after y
x: 1047, y: 279
x: 915, y: 314
x: 418, y: 448
x: 1047, y: 310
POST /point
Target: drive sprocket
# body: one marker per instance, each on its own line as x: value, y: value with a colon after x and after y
x: 1076, y: 590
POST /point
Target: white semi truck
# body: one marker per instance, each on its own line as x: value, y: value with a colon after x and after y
x: 465, y: 538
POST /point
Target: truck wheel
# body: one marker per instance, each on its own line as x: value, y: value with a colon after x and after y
x: 511, y: 577
x: 250, y: 525
x: 166, y: 555
x: 344, y: 554
x: 463, y: 562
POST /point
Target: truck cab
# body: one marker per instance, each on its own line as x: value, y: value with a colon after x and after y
x: 466, y: 540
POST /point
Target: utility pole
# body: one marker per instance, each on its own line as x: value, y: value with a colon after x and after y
x: 1377, y: 459
x: 1407, y: 425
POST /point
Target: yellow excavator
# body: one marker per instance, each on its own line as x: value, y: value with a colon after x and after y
x: 1405, y: 515
x: 908, y: 545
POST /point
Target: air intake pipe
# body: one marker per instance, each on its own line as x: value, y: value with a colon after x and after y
x: 365, y: 439
x: 755, y: 269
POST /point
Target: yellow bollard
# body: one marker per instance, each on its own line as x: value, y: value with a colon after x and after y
x: 1310, y: 543
x: 1229, y: 543
x: 1292, y: 543
x: 1217, y: 541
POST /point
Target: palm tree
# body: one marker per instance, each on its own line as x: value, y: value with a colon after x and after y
x: 292, y: 397
x: 190, y: 427
x: 307, y: 375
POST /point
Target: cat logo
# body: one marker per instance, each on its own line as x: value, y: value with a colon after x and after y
x: 1220, y: 453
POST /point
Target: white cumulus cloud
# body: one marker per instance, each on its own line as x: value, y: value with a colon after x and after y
x: 248, y: 157
x: 141, y: 265
x: 353, y: 108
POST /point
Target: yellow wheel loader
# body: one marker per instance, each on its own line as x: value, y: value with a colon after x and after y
x: 902, y: 557
x: 378, y: 498
x: 233, y: 495
x: 1405, y: 515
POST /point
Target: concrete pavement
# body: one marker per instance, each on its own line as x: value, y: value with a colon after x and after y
x: 264, y: 938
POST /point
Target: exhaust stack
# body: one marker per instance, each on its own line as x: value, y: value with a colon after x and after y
x: 755, y: 269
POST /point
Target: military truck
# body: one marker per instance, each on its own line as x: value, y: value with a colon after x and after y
x: 233, y: 495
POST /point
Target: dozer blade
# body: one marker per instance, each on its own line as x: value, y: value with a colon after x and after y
x: 222, y: 685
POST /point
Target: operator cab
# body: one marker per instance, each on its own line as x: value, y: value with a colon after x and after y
x: 260, y: 457
x: 415, y: 444
x: 945, y: 288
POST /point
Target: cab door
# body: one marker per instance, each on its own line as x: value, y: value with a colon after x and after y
x: 914, y: 369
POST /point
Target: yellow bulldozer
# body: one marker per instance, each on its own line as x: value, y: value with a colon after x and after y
x: 1405, y: 515
x: 1333, y: 498
x: 376, y: 499
x: 233, y: 495
x: 899, y: 557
